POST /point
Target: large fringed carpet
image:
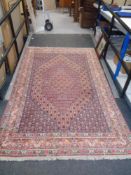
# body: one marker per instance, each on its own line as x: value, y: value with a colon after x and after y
x: 62, y: 107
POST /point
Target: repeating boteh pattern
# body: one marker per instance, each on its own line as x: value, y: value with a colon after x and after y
x: 61, y: 105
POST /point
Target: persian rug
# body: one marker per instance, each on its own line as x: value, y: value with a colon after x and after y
x: 62, y: 107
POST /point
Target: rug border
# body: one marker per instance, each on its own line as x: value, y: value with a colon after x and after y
x: 54, y: 158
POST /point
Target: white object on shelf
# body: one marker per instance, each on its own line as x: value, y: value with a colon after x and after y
x: 98, y: 34
x: 127, y: 59
x: 126, y: 7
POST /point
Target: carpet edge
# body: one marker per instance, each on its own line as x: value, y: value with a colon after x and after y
x: 54, y: 158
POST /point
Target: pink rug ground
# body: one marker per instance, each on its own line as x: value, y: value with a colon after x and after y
x: 62, y: 107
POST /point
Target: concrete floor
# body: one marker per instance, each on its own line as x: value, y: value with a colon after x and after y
x: 61, y: 40
x: 62, y: 23
x: 69, y: 167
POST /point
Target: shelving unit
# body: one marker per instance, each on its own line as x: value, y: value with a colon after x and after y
x: 123, y: 81
x: 13, y: 31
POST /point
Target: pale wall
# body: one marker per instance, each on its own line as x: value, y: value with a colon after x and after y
x: 119, y: 2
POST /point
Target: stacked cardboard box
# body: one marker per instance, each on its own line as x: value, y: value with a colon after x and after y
x: 2, y: 69
x: 128, y: 63
x: 7, y: 33
x: 7, y: 36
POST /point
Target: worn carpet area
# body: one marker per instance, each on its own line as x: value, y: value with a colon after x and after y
x: 62, y: 107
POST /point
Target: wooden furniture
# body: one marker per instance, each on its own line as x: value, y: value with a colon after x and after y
x: 57, y: 3
x: 76, y: 10
x: 88, y: 13
x: 71, y: 8
x: 65, y: 3
x: 34, y: 6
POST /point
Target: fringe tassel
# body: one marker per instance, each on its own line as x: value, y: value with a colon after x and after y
x: 53, y: 158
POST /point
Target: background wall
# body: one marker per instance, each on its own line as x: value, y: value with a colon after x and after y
x: 50, y: 4
x: 119, y: 2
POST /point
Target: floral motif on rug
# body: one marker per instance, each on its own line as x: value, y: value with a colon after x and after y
x: 62, y: 105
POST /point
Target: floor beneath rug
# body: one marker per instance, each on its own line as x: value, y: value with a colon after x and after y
x: 69, y: 167
x: 62, y: 40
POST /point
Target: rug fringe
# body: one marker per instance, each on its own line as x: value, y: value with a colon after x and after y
x: 115, y: 157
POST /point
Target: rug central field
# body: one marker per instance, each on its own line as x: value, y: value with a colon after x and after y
x: 62, y: 106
